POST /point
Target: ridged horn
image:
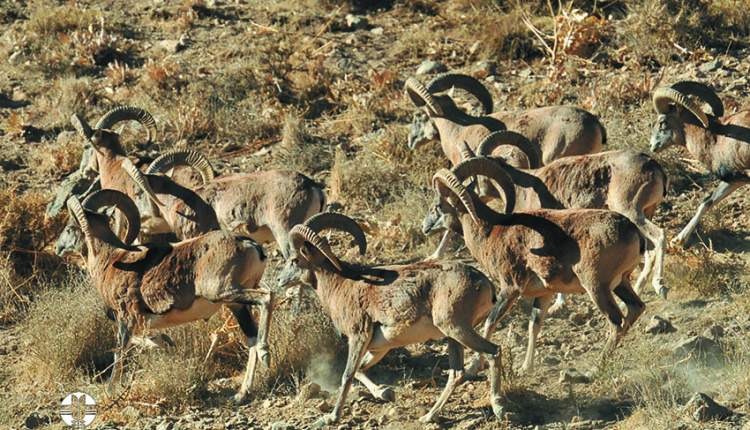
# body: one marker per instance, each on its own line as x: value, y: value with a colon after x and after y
x: 507, y: 137
x: 466, y: 151
x: 337, y: 221
x: 76, y: 210
x: 140, y: 180
x: 191, y: 158
x: 129, y: 113
x: 300, y: 233
x: 103, y: 198
x: 444, y: 179
x: 465, y: 82
x: 421, y: 97
x: 703, y: 92
x: 663, y: 96
x: 483, y: 166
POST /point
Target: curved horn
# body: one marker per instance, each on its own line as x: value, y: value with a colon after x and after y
x: 103, y: 198
x: 128, y: 113
x: 444, y: 179
x: 663, y: 96
x: 337, y: 221
x: 194, y: 159
x: 421, y: 97
x: 466, y: 151
x: 83, y: 128
x: 301, y: 233
x: 466, y: 83
x: 483, y: 166
x: 507, y: 137
x: 703, y: 92
x: 140, y: 180
x: 76, y: 209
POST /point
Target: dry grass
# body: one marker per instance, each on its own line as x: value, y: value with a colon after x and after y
x: 24, y: 233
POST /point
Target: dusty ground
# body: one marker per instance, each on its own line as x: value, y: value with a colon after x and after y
x: 298, y: 85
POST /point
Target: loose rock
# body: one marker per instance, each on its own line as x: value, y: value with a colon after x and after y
x: 356, y: 22
x: 309, y: 391
x: 658, y: 325
x: 699, y: 347
x: 704, y: 408
x: 573, y: 376
x: 428, y: 67
x: 710, y: 66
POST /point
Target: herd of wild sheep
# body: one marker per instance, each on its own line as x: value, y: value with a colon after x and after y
x: 542, y: 211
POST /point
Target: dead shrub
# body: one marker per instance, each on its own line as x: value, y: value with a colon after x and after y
x: 703, y: 273
x: 66, y: 97
x: 24, y: 234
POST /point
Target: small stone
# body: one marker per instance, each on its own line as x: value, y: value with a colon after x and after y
x: 14, y: 57
x: 715, y: 332
x: 356, y: 22
x: 377, y: 31
x: 710, y: 66
x: 573, y: 376
x: 704, y: 408
x: 281, y: 425
x: 267, y: 403
x: 309, y: 391
x: 659, y: 325
x: 323, y: 406
x: 484, y: 68
x: 551, y: 360
x: 578, y: 318
x: 428, y: 67
x: 35, y: 420
x: 173, y: 46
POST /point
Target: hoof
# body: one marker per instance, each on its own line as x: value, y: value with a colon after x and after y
x: 387, y: 395
x: 239, y: 399
x: 325, y: 420
x: 427, y: 418
x: 475, y: 367
x: 497, y: 409
x: 663, y: 292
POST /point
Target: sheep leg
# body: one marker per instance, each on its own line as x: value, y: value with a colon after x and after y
x: 118, y: 366
x: 536, y: 321
x: 496, y: 364
x: 507, y: 298
x: 634, y: 303
x: 445, y: 241
x: 257, y: 296
x: 455, y: 377
x: 250, y: 330
x: 660, y: 245
x: 379, y: 392
x: 357, y: 348
x: 558, y: 305
x: 605, y: 302
x: 648, y: 263
x: 720, y: 193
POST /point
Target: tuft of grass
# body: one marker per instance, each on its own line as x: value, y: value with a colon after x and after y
x: 68, y: 334
x: 67, y: 96
x: 703, y: 273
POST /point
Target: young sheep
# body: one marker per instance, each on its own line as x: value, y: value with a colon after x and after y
x: 625, y: 181
x: 386, y: 307
x: 542, y: 252
x: 159, y: 286
x: 720, y: 142
x: 557, y: 131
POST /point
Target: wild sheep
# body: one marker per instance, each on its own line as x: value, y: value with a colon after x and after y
x: 385, y: 307
x: 159, y: 286
x: 624, y: 181
x: 558, y: 131
x: 262, y: 205
x: 720, y: 142
x: 541, y: 252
